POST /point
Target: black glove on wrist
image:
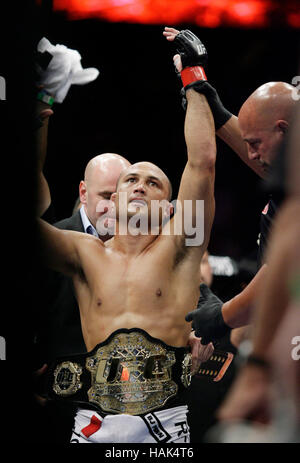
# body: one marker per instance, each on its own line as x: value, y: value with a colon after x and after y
x: 207, y: 319
x: 220, y: 114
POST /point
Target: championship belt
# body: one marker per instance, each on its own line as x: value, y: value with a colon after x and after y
x: 131, y: 372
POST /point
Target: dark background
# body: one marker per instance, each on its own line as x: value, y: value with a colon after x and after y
x: 134, y: 109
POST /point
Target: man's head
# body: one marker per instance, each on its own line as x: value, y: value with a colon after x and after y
x: 140, y: 184
x: 264, y: 120
x: 100, y: 181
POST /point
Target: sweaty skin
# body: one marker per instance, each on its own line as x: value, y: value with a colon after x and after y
x: 143, y: 281
x: 144, y: 290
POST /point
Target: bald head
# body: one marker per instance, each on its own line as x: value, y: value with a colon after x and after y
x: 107, y: 164
x: 152, y: 171
x: 269, y: 102
x: 100, y: 182
x: 264, y: 119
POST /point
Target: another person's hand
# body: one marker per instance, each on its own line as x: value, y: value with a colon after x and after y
x: 207, y: 319
x: 200, y: 353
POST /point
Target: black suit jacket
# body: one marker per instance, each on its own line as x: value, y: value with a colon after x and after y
x: 59, y: 332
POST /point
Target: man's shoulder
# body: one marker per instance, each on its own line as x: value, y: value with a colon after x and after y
x: 71, y: 223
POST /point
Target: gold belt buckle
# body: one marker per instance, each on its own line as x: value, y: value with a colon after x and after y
x: 67, y: 378
x: 131, y: 375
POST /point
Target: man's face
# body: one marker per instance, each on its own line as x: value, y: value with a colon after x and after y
x: 141, y: 184
x: 262, y: 145
x: 95, y: 194
x: 262, y: 134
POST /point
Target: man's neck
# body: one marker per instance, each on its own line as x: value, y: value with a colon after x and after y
x: 131, y: 245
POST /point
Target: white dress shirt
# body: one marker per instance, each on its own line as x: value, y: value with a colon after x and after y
x: 88, y: 227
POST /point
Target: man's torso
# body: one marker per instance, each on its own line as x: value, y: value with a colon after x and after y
x: 151, y: 291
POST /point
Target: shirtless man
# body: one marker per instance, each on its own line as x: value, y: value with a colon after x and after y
x: 139, y: 302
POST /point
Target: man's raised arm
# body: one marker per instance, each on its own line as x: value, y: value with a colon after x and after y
x: 197, y: 181
x: 59, y: 248
x: 57, y: 68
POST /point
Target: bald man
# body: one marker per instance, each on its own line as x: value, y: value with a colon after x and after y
x: 264, y: 120
x: 261, y: 125
x: 256, y: 135
x: 59, y: 329
x: 132, y: 314
x: 60, y: 332
x: 100, y: 180
x: 276, y: 324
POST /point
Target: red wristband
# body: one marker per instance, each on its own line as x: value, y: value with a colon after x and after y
x: 192, y: 74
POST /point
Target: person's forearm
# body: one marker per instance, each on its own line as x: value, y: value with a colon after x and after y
x: 43, y: 195
x: 238, y: 310
x: 239, y: 335
x: 41, y: 137
x: 231, y: 135
x: 199, y: 131
x: 43, y: 111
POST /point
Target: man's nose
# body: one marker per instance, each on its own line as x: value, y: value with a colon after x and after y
x: 140, y: 188
x: 253, y: 154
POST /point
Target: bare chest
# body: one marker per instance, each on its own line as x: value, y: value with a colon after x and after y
x: 143, y: 280
x: 144, y: 291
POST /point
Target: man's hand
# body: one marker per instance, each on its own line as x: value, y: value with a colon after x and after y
x: 207, y: 319
x: 189, y: 46
x: 192, y: 52
x: 249, y: 397
x: 200, y: 353
x: 170, y: 33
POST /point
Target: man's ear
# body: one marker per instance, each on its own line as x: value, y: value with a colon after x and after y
x: 169, y: 210
x: 83, y: 192
x: 113, y: 197
x: 282, y: 125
